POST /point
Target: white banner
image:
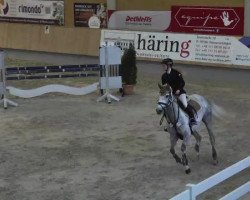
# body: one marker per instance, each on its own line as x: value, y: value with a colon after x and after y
x: 140, y: 20
x: 241, y: 52
x: 32, y: 11
x: 182, y: 47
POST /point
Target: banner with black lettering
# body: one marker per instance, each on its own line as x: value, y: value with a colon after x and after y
x: 32, y: 11
x: 226, y: 50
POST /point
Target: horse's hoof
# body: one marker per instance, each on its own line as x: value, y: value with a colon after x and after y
x: 188, y: 171
x: 178, y: 160
x: 197, y: 148
x: 215, y: 162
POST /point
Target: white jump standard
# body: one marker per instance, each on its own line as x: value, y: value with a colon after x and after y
x: 3, y: 99
x: 109, y: 55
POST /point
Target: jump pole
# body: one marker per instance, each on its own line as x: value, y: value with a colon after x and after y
x: 3, y: 99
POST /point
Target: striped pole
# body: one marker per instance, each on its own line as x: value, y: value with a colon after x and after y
x: 50, y: 76
x: 47, y: 72
x: 52, y: 69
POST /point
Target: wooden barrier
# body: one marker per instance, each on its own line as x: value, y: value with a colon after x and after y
x: 44, y: 72
x: 50, y: 72
x: 196, y: 189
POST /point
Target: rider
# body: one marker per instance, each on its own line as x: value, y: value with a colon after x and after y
x: 175, y: 80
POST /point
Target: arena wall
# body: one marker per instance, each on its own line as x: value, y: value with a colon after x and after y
x: 61, y: 39
x: 80, y: 40
x: 247, y: 18
x: 166, y: 5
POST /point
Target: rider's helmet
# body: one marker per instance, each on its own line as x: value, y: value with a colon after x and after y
x: 167, y: 61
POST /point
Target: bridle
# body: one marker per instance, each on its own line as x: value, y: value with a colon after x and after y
x: 164, y: 106
x: 169, y: 101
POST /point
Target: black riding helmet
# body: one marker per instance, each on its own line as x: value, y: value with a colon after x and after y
x: 167, y: 61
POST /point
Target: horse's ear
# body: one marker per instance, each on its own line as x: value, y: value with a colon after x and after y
x: 160, y: 85
x: 166, y: 86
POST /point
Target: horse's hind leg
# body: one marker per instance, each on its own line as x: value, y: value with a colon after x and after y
x: 208, y: 122
x: 197, y: 137
x: 184, y: 159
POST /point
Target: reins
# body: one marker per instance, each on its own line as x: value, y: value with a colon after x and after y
x: 165, y: 114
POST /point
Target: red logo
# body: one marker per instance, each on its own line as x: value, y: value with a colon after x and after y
x: 207, y: 17
x: 209, y: 20
x: 138, y: 19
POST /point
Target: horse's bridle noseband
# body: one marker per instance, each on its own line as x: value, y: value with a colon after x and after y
x: 169, y: 102
x: 165, y: 105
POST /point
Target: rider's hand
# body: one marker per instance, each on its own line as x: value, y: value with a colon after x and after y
x: 177, y: 92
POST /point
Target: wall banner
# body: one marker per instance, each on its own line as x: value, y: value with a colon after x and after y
x: 207, y: 20
x: 182, y: 47
x: 90, y: 15
x: 241, y: 51
x: 139, y: 20
x: 32, y: 11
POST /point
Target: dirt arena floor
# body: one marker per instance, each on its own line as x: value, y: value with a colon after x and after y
x: 62, y: 147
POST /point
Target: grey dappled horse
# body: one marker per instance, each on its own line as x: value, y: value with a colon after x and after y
x: 178, y: 122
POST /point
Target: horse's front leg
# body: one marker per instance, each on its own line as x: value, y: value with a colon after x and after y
x: 173, y: 140
x: 184, y: 158
x: 176, y: 157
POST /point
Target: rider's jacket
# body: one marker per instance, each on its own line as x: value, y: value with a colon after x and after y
x: 175, y: 80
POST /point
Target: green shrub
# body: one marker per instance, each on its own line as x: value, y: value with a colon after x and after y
x: 128, y: 66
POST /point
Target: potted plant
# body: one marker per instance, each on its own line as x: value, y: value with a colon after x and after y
x: 129, y: 70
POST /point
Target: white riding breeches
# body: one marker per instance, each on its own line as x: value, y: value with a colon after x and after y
x: 183, y: 99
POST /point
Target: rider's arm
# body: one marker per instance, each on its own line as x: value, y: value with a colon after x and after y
x: 181, y: 82
x: 163, y: 79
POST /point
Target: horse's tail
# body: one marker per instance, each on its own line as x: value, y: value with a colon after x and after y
x: 218, y: 111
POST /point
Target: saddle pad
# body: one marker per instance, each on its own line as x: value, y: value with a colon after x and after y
x: 194, y: 104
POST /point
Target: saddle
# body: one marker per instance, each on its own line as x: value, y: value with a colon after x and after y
x: 194, y: 105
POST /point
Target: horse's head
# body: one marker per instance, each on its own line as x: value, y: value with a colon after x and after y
x: 165, y: 98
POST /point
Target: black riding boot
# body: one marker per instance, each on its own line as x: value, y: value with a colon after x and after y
x: 190, y: 113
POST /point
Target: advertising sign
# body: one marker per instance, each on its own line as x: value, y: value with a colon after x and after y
x: 153, y: 44
x: 32, y: 11
x: 213, y: 49
x: 90, y: 15
x: 139, y: 20
x: 182, y: 47
x: 208, y: 20
x: 242, y: 51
